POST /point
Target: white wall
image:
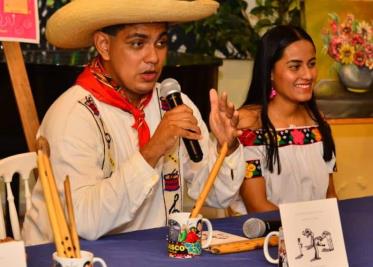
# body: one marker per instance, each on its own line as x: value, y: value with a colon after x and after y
x: 234, y: 78
x: 354, y: 143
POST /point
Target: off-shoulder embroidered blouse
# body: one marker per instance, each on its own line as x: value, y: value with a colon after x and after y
x: 304, y: 173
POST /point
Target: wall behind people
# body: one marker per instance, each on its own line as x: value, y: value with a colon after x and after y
x: 234, y: 78
x: 354, y: 160
x: 354, y: 142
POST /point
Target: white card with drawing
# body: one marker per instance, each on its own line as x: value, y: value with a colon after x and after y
x: 313, y: 234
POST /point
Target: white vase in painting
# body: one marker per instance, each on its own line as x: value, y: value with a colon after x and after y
x: 356, y: 79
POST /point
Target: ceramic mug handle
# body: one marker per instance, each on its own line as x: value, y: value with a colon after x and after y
x: 99, y: 260
x: 209, y: 231
x: 265, y: 247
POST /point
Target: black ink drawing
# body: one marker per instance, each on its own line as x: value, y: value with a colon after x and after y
x: 313, y: 244
x: 327, y: 235
x: 300, y: 246
x: 324, y: 240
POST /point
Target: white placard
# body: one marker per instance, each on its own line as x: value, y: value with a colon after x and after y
x: 12, y: 254
x: 313, y: 234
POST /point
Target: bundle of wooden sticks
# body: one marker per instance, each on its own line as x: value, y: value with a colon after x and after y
x: 65, y: 234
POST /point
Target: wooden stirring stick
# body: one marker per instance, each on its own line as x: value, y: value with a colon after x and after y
x: 210, y: 181
x: 70, y: 210
x: 58, y: 212
x: 240, y: 246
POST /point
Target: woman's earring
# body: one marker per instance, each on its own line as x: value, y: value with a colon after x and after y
x: 273, y: 93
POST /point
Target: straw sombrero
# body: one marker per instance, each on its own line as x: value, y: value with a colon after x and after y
x: 73, y: 25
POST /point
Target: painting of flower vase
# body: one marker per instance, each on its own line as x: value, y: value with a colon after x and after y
x: 349, y: 43
x: 342, y: 31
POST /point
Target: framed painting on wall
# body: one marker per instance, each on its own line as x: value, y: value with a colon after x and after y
x: 342, y: 32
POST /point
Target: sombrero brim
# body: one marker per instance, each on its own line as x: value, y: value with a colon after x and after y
x: 73, y: 25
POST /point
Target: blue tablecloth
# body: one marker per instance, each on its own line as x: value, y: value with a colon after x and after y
x: 149, y: 247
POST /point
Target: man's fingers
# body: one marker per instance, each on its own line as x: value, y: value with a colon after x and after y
x: 189, y: 134
x: 230, y: 110
x: 223, y: 102
x: 213, y: 100
x: 182, y: 114
x: 181, y: 127
x: 235, y: 119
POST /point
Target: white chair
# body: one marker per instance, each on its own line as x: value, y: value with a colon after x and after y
x: 23, y: 164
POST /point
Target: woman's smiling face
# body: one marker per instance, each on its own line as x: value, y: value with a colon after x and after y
x: 294, y: 74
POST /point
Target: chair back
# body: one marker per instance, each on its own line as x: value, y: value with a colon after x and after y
x: 23, y: 164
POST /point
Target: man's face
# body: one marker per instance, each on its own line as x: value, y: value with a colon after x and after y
x: 135, y: 57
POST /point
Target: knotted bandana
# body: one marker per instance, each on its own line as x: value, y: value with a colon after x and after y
x: 98, y: 82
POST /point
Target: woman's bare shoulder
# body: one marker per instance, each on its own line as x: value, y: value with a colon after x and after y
x: 249, y: 117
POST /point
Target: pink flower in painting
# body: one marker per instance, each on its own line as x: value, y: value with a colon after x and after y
x: 369, y: 50
x: 359, y: 58
x: 298, y: 137
x: 334, y: 47
x: 334, y: 27
x: 346, y: 31
x: 357, y: 40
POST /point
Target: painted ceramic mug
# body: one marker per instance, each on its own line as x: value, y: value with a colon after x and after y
x: 184, y: 235
x: 281, y: 260
x: 86, y: 260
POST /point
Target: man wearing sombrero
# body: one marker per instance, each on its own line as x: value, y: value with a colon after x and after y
x: 112, y: 135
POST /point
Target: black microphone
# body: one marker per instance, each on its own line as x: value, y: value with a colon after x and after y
x: 170, y: 90
x: 254, y: 227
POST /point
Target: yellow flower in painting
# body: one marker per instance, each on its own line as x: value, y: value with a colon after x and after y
x: 278, y: 138
x: 347, y: 54
x: 250, y: 168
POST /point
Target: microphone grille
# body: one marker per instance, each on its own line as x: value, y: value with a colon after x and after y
x: 169, y: 86
x: 253, y: 228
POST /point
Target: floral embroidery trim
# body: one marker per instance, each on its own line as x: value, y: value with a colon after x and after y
x: 253, y: 169
x: 285, y: 137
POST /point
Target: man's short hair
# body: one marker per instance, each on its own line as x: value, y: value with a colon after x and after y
x: 113, y: 29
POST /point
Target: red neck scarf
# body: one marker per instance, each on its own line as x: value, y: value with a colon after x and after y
x: 98, y: 82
